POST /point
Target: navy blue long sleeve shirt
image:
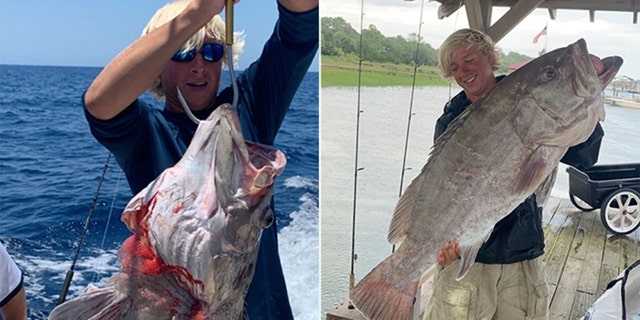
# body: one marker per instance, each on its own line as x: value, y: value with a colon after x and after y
x: 146, y: 140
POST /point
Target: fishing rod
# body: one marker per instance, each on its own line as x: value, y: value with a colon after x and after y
x: 413, y: 88
x: 455, y: 26
x: 106, y: 227
x: 67, y: 280
x: 352, y: 276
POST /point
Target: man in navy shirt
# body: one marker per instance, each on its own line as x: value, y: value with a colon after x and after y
x: 183, y: 46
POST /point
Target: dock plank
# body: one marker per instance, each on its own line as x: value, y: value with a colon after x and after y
x: 581, y: 303
x: 550, y: 209
x: 551, y: 221
x: 628, y: 253
x: 563, y: 298
x: 610, y: 267
x: 588, y: 281
x: 558, y: 253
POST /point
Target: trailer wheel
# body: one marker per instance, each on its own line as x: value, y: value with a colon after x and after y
x: 620, y: 211
x: 580, y: 204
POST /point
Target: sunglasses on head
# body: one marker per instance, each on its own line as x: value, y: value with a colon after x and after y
x: 211, y: 52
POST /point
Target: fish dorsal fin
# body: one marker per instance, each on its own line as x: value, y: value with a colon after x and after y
x: 399, y: 225
x: 401, y: 219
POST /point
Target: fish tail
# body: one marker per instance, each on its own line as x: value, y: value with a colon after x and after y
x: 383, y: 295
x: 93, y: 304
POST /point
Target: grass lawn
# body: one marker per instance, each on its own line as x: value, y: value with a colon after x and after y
x: 336, y: 72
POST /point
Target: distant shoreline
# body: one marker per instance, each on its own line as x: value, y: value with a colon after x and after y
x: 45, y: 66
x: 337, y: 72
x: 96, y: 67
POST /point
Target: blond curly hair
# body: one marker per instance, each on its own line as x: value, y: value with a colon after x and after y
x: 466, y: 38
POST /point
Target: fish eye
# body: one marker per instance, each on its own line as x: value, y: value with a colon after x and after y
x: 548, y: 73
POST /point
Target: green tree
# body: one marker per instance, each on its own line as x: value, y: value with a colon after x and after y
x: 510, y: 59
x: 340, y: 39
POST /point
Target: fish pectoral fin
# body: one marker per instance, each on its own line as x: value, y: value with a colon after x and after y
x: 468, y: 254
x: 102, y: 303
x: 533, y: 173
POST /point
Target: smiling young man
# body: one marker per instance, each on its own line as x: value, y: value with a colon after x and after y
x: 182, y: 46
x: 507, y: 281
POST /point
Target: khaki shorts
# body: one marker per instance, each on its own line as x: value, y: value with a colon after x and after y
x: 490, y: 292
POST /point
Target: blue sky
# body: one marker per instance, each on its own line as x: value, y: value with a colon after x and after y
x: 92, y: 32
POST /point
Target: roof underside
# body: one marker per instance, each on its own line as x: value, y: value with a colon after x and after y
x: 479, y: 11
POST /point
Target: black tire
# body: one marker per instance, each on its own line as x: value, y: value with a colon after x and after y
x: 580, y: 205
x: 620, y: 211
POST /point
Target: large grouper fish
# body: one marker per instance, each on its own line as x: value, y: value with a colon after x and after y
x: 196, y: 230
x: 490, y: 159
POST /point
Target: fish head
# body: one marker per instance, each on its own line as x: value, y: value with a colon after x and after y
x: 214, y: 201
x: 566, y: 86
x: 245, y: 195
x: 243, y: 173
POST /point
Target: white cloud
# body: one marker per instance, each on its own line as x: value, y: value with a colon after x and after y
x: 612, y: 33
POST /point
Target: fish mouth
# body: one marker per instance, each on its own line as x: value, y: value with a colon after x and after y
x: 611, y: 65
x: 588, y: 81
x: 261, y: 163
x: 267, y: 161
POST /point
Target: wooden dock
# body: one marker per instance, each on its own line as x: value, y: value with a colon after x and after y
x: 580, y: 260
x: 619, y: 102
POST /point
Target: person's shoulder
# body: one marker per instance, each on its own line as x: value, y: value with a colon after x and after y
x: 148, y: 110
x: 457, y: 104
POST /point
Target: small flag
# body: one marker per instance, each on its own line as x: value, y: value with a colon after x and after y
x: 542, y: 33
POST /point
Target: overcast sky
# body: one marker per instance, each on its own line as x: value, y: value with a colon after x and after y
x: 612, y: 33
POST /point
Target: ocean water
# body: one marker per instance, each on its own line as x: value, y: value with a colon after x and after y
x: 50, y: 168
x: 383, y: 130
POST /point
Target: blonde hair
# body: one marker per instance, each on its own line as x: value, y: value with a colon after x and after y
x: 214, y: 29
x: 466, y: 38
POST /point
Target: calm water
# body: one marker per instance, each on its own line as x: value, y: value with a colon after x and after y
x: 383, y: 127
x: 50, y: 166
